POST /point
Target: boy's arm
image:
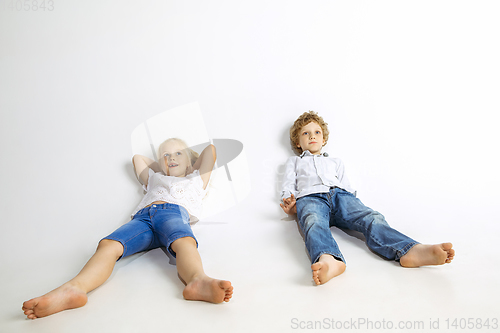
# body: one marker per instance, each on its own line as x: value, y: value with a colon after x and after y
x: 289, y: 206
x: 289, y: 183
x: 341, y: 175
x: 289, y: 187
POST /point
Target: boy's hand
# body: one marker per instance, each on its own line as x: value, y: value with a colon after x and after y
x: 288, y: 205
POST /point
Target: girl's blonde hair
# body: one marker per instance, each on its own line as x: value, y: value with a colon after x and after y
x: 191, y: 154
x: 302, y: 121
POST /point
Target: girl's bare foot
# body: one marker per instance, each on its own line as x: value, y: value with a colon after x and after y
x: 65, y: 297
x: 207, y: 289
x: 422, y: 255
x: 326, y: 268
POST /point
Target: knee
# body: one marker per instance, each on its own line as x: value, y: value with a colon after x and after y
x: 185, y: 241
x: 181, y: 242
x: 112, y: 246
x: 311, y: 221
x: 378, y: 218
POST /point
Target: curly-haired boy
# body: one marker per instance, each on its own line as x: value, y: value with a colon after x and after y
x: 316, y: 188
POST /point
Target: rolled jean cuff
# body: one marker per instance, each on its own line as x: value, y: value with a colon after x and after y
x: 405, y: 250
x: 337, y: 256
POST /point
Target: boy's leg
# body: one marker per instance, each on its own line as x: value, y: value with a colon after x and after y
x: 313, y: 212
x: 326, y: 268
x: 421, y: 255
x: 199, y: 286
x: 73, y: 294
x: 351, y: 213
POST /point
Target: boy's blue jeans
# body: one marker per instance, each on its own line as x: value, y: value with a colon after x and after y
x: 319, y: 211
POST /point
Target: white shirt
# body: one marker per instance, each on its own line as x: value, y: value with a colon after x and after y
x: 186, y: 191
x: 307, y: 174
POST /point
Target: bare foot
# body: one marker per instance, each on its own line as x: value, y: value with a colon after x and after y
x: 327, y: 267
x: 63, y: 298
x: 207, y: 289
x: 421, y: 255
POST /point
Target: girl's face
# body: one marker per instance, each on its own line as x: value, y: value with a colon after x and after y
x: 176, y: 158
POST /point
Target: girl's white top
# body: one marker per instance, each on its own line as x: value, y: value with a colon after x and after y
x: 186, y: 191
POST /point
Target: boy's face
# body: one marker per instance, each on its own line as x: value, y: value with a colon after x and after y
x: 311, y: 138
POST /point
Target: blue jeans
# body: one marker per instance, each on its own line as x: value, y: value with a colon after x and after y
x: 319, y: 211
x: 153, y: 227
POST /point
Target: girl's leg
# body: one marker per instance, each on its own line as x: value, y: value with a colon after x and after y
x: 73, y: 294
x: 172, y: 230
x: 199, y: 286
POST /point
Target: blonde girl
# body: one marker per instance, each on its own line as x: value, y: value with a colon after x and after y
x: 175, y: 187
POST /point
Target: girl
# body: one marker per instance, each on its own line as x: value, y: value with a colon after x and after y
x: 175, y: 188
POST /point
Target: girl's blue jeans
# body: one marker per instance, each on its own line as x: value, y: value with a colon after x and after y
x: 319, y: 211
x: 156, y: 226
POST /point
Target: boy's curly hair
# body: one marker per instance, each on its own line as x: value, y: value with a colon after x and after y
x: 302, y: 121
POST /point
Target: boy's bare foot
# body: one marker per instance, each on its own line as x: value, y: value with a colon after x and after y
x: 207, y: 289
x: 326, y: 268
x: 65, y: 297
x: 422, y: 255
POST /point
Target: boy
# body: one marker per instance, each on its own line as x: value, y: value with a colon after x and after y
x: 317, y: 190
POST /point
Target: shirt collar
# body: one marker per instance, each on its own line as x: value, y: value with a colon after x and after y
x: 308, y: 153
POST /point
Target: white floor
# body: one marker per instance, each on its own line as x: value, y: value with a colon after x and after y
x: 263, y: 255
x: 410, y: 92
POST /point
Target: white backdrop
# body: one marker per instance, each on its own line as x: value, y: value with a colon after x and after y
x: 409, y: 89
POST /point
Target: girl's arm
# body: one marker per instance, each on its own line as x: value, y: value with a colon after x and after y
x: 142, y: 164
x: 205, y: 163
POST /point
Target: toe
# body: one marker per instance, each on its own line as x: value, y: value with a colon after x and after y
x: 28, y: 305
x: 225, y: 284
x: 447, y: 246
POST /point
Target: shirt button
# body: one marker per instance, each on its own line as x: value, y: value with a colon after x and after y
x: 154, y: 206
